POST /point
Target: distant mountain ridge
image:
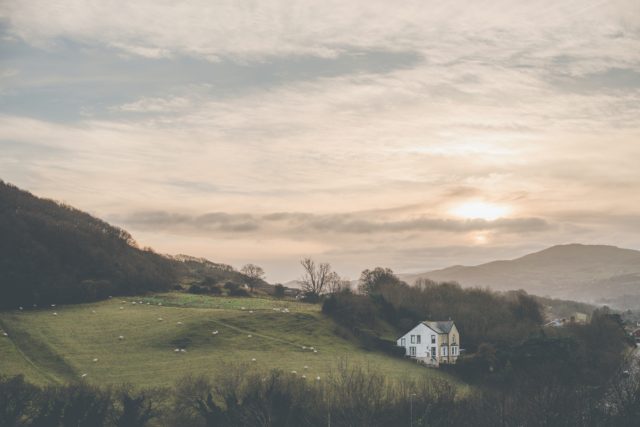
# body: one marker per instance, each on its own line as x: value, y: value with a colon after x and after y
x: 590, y: 273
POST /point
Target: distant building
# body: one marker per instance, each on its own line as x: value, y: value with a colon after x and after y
x: 579, y: 317
x: 432, y: 342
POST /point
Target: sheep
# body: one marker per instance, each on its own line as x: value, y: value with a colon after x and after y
x: 241, y: 308
x: 179, y: 323
x: 306, y: 367
x: 83, y: 375
x: 159, y: 303
x: 315, y: 351
x: 133, y: 302
x: 182, y: 350
x: 317, y: 378
x: 120, y: 337
x: 304, y: 347
x: 253, y: 359
x: 214, y: 333
x: 294, y: 372
x: 160, y: 319
x: 95, y: 360
x: 249, y: 336
x: 177, y: 350
x: 304, y: 376
x: 121, y: 308
x: 93, y: 311
x: 4, y: 334
x: 53, y: 305
x: 311, y: 348
x: 250, y: 311
x: 20, y: 308
x: 55, y: 314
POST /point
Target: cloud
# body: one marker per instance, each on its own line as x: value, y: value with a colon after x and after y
x: 306, y: 224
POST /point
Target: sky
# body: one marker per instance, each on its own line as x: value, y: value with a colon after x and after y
x: 412, y: 135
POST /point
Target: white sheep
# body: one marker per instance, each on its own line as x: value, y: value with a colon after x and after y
x: 160, y: 319
x: 4, y: 334
x: 95, y: 360
x: 294, y: 372
x: 315, y: 351
x: 306, y: 367
x: 53, y: 305
x: 177, y: 350
x: 214, y: 333
x: 83, y: 375
x: 182, y: 350
x: 250, y: 311
x: 121, y: 308
x: 304, y: 347
x: 133, y: 302
x: 241, y: 308
x: 317, y: 378
x: 120, y: 337
x: 159, y: 303
x: 304, y: 376
x: 253, y: 359
x: 179, y: 323
x: 55, y: 314
x: 249, y: 336
x: 20, y: 308
x: 93, y: 311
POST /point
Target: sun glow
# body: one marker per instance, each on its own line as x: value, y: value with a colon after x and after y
x: 480, y: 210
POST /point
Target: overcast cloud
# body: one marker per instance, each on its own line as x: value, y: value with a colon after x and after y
x: 349, y: 131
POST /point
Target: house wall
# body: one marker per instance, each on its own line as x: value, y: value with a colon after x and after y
x: 423, y: 349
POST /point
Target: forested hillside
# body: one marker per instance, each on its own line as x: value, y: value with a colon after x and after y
x: 53, y: 253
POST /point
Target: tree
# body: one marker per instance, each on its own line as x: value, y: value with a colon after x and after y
x: 335, y: 283
x: 254, y: 274
x: 278, y: 291
x: 316, y: 277
x: 371, y: 280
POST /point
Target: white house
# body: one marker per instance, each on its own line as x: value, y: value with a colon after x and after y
x: 432, y: 342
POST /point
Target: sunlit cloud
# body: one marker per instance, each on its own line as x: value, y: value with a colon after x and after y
x: 360, y: 132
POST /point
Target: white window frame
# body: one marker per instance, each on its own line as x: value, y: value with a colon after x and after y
x: 413, y: 339
x: 433, y: 339
x: 418, y: 339
x: 412, y: 351
x: 403, y: 342
x: 443, y: 351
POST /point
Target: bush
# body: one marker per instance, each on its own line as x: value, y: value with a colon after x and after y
x: 278, y: 291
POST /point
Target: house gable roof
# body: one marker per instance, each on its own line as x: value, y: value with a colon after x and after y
x: 440, y: 326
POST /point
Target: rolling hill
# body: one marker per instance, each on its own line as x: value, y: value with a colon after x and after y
x: 53, y: 253
x: 85, y: 339
x: 589, y: 273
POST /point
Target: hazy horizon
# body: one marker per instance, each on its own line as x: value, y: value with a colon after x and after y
x: 362, y: 133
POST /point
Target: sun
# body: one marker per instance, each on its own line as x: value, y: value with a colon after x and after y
x: 480, y: 210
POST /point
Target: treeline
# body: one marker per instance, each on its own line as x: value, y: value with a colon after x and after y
x: 480, y: 315
x: 350, y: 397
x: 53, y: 253
x: 502, y: 333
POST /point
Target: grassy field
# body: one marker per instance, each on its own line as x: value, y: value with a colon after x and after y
x: 50, y: 348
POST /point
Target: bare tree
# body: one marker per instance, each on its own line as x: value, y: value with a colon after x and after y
x: 254, y: 273
x: 335, y: 283
x: 316, y: 277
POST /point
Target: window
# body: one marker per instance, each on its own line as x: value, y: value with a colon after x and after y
x: 403, y: 342
x: 412, y: 351
x: 417, y: 339
x: 434, y: 352
x: 413, y: 339
x: 433, y: 339
x: 454, y: 351
x: 444, y: 351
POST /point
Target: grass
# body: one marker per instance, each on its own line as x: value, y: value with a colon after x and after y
x: 47, y: 348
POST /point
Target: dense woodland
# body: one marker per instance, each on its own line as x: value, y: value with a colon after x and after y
x: 53, y: 253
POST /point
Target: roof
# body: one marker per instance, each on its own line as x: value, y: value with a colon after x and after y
x: 440, y: 326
